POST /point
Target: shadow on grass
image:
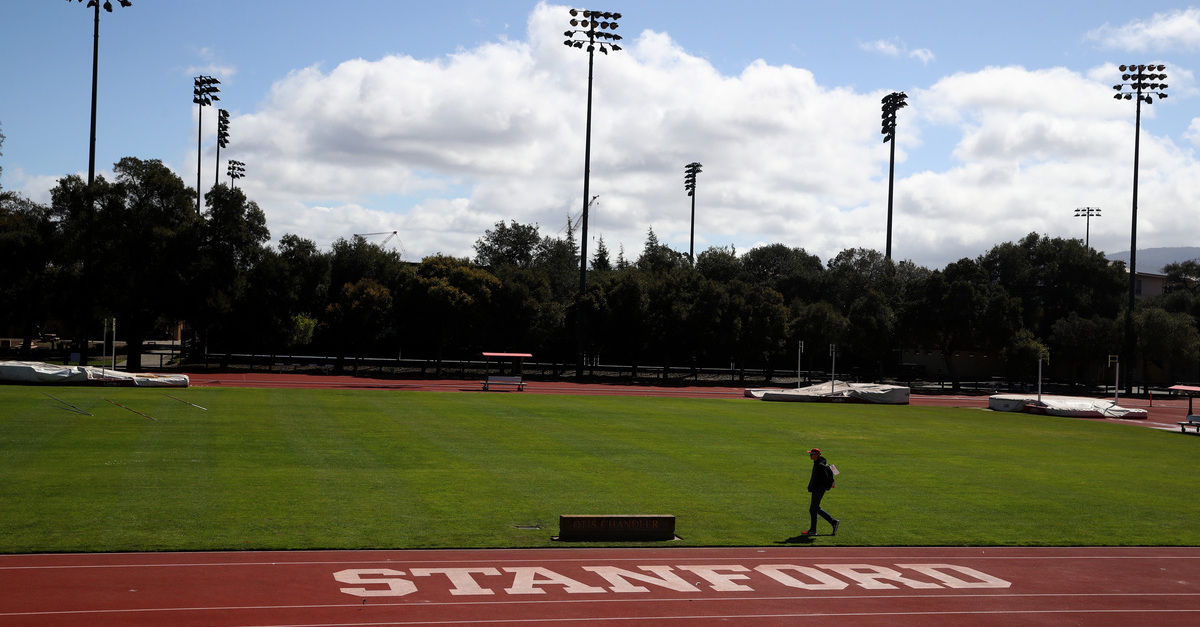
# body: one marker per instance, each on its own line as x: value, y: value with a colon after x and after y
x: 802, y: 539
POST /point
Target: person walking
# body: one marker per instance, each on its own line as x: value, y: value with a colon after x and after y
x: 820, y: 483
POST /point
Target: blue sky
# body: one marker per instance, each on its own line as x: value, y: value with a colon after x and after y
x: 439, y: 119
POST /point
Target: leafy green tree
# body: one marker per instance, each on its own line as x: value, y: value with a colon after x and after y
x: 27, y: 240
x: 352, y: 260
x: 1182, y: 289
x: 1165, y: 339
x: 865, y: 287
x: 308, y: 277
x: 1021, y: 353
x: 558, y: 258
x: 960, y: 309
x: 1183, y: 276
x: 507, y: 245
x: 719, y: 263
x: 523, y: 316
x: 233, y: 246
x: 74, y: 210
x: 660, y: 258
x: 670, y: 302
x: 600, y: 261
x: 759, y: 320
x: 792, y: 272
x: 132, y: 246
x: 359, y: 315
x: 455, y: 299
x: 818, y: 325
x: 622, y: 311
x: 1053, y: 277
x: 1080, y: 342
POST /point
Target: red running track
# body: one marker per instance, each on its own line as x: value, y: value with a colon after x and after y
x: 741, y: 586
x: 1163, y: 413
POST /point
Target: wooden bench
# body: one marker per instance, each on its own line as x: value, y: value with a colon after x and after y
x: 496, y: 379
x: 615, y: 528
x: 1193, y: 422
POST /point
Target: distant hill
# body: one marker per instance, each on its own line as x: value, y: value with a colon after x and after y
x: 1153, y: 259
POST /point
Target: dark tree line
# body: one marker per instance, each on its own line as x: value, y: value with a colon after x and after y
x: 135, y: 249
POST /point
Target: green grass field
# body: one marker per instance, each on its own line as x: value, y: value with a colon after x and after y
x: 291, y: 469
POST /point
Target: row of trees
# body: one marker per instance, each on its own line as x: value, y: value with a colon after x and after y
x: 136, y: 249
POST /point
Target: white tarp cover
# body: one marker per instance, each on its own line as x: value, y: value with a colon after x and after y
x: 50, y: 374
x: 1073, y: 406
x: 839, y: 391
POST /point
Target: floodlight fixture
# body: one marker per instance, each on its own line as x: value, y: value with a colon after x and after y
x: 236, y: 170
x: 1146, y: 87
x: 1088, y: 213
x: 222, y: 140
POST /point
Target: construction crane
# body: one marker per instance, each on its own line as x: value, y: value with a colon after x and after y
x: 390, y: 235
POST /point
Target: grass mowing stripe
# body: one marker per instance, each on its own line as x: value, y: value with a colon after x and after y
x: 351, y: 468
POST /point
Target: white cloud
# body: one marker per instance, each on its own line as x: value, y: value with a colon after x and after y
x: 1175, y: 30
x: 1193, y: 132
x: 924, y: 54
x: 211, y: 67
x: 897, y: 48
x: 883, y: 46
x: 442, y: 149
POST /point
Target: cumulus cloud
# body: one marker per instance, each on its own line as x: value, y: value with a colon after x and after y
x: 441, y: 149
x: 1175, y: 30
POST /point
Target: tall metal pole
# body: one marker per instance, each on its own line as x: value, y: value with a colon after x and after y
x: 1143, y: 87
x: 587, y: 179
x: 692, y: 237
x: 892, y: 103
x: 95, y: 77
x: 199, y: 152
x: 891, y: 185
x: 583, y: 233
x: 1130, y: 338
x: 90, y: 199
x: 586, y: 23
x: 95, y: 4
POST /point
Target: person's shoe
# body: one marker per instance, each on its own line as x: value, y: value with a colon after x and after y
x: 810, y: 532
x: 835, y: 526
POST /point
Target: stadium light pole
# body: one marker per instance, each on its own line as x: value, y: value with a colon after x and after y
x: 204, y: 93
x: 222, y: 141
x: 892, y: 103
x: 689, y: 183
x: 95, y: 4
x: 584, y: 34
x: 1089, y: 213
x: 1144, y: 83
x: 237, y: 170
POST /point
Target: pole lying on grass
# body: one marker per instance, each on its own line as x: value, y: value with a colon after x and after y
x: 132, y: 410
x: 73, y: 408
x: 183, y: 401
